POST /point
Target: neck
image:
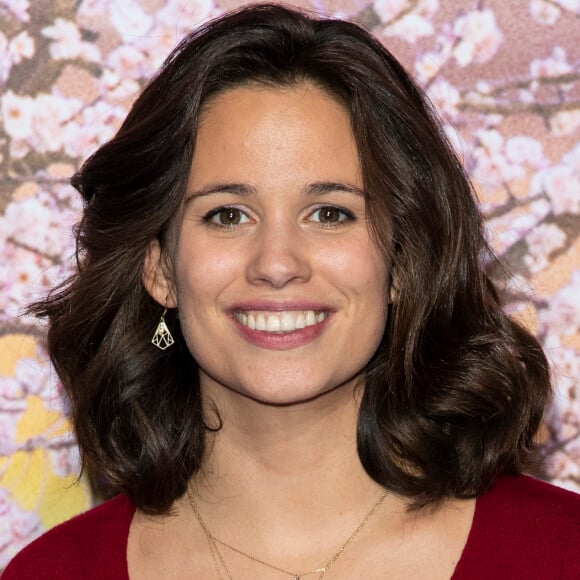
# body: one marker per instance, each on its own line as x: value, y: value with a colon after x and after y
x: 290, y: 465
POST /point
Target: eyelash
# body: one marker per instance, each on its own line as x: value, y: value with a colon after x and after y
x: 208, y: 217
x: 347, y: 216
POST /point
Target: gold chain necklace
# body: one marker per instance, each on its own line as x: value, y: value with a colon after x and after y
x: 218, y: 558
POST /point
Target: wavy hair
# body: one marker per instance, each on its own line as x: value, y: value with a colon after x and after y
x: 456, y: 390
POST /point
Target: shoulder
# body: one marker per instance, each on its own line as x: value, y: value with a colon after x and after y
x: 91, y: 545
x: 524, y: 527
x: 527, y: 499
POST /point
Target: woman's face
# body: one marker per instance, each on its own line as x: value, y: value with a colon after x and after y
x: 281, y: 291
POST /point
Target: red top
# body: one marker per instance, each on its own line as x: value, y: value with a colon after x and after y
x: 522, y: 529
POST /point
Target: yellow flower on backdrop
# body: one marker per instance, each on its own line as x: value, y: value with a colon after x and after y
x: 29, y: 475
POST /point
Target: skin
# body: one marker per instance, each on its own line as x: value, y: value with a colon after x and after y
x: 282, y: 479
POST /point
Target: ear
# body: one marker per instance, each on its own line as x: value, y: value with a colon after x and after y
x: 157, y: 277
x: 393, y: 292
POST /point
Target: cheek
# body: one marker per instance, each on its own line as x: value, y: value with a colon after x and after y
x: 363, y: 269
x: 203, y: 272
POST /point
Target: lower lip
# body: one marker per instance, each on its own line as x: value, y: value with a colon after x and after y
x: 282, y: 341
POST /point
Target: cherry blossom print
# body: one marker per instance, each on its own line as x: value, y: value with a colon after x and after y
x: 18, y: 8
x: 545, y: 12
x: 67, y: 42
x: 562, y: 317
x: 388, y: 10
x: 129, y: 19
x: 509, y: 102
x: 542, y: 242
x: 480, y: 37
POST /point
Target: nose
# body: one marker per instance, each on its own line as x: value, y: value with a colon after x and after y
x: 280, y: 256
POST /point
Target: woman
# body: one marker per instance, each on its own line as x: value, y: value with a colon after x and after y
x: 332, y: 389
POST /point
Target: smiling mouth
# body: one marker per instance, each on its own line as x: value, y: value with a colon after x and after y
x: 279, y: 322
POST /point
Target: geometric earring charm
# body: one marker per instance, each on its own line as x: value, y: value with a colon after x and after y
x: 162, y: 338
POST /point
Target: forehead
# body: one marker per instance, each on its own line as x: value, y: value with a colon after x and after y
x: 261, y: 128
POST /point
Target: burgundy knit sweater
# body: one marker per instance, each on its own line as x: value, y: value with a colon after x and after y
x: 522, y: 529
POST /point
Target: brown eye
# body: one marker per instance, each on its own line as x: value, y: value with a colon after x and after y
x: 229, y: 216
x: 330, y: 215
x: 226, y: 217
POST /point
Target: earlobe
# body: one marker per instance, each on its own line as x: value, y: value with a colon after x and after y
x: 156, y: 277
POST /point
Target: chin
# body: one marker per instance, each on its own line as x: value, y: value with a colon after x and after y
x: 292, y: 394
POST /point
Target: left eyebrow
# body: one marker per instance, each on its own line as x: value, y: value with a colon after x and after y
x: 324, y: 187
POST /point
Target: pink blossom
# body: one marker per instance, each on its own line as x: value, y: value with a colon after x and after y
x: 51, y: 112
x: 565, y: 122
x: 96, y: 125
x: 504, y: 231
x: 184, y: 14
x: 524, y: 150
x: 480, y: 37
x: 124, y: 93
x: 572, y: 159
x: 410, y: 28
x: 561, y: 467
x: 24, y: 523
x: 18, y: 7
x: 19, y: 148
x: 8, y: 420
x: 65, y: 461
x: 445, y: 97
x: 5, y: 505
x: 494, y: 159
x: 428, y: 65
x: 10, y: 388
x: 127, y: 61
x: 526, y: 96
x: 455, y: 139
x: 30, y: 374
x: 22, y: 46
x: 552, y: 66
x: 388, y: 10
x: 561, y: 185
x: 40, y: 379
x: 160, y: 40
x: 67, y: 39
x: 565, y: 362
x: 5, y: 58
x: 544, y: 12
x: 67, y: 42
x: 92, y: 9
x: 542, y: 241
x: 22, y: 276
x: 17, y: 114
x: 129, y: 19
x: 562, y: 317
x: 571, y: 5
x: 40, y: 224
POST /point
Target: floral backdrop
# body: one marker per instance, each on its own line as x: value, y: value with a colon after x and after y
x: 504, y: 76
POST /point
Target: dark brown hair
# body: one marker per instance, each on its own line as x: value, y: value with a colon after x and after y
x: 456, y: 390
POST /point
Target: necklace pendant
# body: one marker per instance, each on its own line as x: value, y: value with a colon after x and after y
x: 296, y: 577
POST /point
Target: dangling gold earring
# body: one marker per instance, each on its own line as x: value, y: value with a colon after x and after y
x: 162, y: 338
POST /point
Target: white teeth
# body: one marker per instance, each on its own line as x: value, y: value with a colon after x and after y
x: 273, y: 323
x: 280, y: 322
x: 287, y: 322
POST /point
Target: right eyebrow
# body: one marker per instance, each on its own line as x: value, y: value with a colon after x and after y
x: 241, y: 189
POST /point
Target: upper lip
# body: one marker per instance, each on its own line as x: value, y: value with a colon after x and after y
x: 280, y: 305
